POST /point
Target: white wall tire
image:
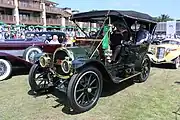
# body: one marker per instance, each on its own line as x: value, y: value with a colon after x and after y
x: 5, y: 69
x: 30, y: 53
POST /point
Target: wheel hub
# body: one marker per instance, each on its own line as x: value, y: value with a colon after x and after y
x: 89, y: 90
x: 2, y: 68
x: 32, y: 55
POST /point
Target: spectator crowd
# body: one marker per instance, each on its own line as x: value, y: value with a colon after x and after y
x: 19, y: 33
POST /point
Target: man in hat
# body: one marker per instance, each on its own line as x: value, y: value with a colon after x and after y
x: 142, y: 35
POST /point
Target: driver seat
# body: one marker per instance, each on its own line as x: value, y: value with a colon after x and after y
x: 117, y: 41
x: 116, y: 55
x: 116, y: 45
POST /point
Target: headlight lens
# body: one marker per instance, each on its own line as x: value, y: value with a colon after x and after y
x: 152, y: 50
x: 66, y: 66
x: 45, y: 60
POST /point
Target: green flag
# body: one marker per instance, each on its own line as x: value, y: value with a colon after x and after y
x: 105, y: 40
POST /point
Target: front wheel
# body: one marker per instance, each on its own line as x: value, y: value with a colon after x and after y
x: 176, y: 63
x: 39, y: 79
x: 84, y: 89
x: 145, y: 69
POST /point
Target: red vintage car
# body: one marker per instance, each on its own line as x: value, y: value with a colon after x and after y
x: 20, y: 53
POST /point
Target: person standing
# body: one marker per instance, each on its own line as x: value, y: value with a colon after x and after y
x: 1, y: 36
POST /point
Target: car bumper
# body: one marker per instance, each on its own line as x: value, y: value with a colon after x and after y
x: 159, y: 61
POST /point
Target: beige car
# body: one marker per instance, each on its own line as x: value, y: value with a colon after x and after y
x: 168, y: 51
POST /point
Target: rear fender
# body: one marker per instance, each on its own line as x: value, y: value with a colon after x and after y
x: 14, y: 59
x: 138, y: 62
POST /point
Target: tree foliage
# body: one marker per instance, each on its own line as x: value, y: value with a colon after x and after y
x: 163, y: 18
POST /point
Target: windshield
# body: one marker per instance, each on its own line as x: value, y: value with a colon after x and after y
x: 173, y: 42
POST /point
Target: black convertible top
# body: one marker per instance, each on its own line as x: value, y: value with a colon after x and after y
x: 133, y: 15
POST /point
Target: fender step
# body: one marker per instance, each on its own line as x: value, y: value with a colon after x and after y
x: 118, y: 80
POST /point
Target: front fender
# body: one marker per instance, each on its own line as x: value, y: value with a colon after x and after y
x: 150, y: 56
x: 79, y: 64
x: 171, y: 56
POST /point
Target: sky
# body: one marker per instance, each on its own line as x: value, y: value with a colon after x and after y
x: 151, y: 7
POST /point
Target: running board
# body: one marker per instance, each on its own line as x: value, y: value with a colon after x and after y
x: 118, y: 80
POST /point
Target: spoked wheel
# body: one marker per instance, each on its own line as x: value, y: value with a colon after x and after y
x: 5, y: 69
x: 177, y: 63
x: 30, y: 53
x: 84, y: 89
x: 145, y: 69
x: 39, y: 79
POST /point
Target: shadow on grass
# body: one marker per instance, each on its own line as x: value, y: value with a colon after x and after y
x: 110, y: 88
x: 177, y: 82
x: 62, y: 101
x: 20, y: 71
x: 162, y: 66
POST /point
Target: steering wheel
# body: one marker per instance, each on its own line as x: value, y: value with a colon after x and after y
x: 92, y: 34
x: 46, y: 42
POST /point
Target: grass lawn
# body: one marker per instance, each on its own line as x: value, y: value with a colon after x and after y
x: 155, y: 99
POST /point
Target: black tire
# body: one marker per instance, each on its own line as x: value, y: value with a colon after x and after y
x: 176, y: 63
x: 30, y: 53
x: 145, y: 69
x: 5, y: 69
x: 89, y: 93
x: 44, y: 81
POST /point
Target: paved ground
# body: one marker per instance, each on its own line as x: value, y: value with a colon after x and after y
x: 155, y: 99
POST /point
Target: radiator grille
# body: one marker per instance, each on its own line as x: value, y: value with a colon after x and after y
x: 160, y: 52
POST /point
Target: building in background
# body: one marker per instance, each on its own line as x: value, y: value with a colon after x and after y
x: 162, y: 28
x: 33, y: 12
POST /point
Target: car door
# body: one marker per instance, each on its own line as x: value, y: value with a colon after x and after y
x: 137, y: 52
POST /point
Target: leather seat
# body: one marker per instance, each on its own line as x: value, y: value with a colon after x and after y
x: 116, y: 38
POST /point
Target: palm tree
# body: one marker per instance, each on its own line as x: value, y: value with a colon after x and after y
x: 163, y: 18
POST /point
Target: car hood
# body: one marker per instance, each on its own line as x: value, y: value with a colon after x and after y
x: 19, y: 42
x: 18, y: 45
x: 165, y: 46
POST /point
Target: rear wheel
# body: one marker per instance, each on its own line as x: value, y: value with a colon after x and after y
x: 5, y: 69
x: 39, y: 79
x: 145, y: 69
x: 84, y: 89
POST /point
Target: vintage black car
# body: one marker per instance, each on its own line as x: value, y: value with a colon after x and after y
x: 81, y: 70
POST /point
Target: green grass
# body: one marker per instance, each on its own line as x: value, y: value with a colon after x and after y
x: 155, y: 99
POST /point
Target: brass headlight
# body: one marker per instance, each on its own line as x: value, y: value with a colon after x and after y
x: 66, y: 65
x: 45, y: 60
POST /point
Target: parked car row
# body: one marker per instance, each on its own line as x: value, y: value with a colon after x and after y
x: 21, y: 52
